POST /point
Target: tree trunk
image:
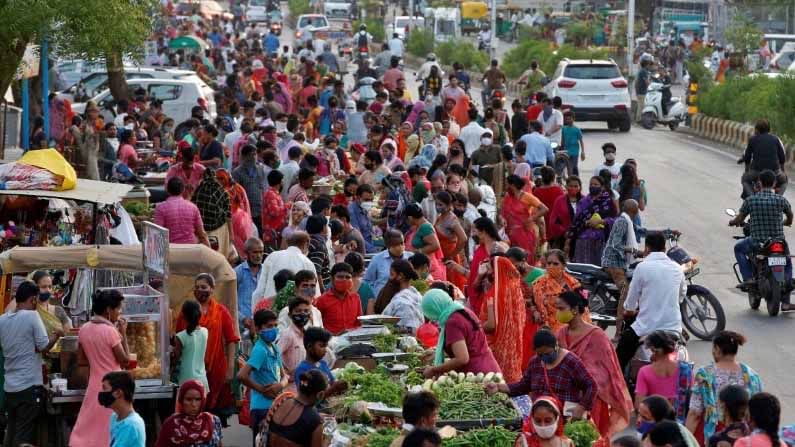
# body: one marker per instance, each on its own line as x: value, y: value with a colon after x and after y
x: 10, y: 57
x: 116, y: 79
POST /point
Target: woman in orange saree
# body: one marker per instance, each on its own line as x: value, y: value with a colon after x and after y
x: 520, y: 210
x: 613, y: 406
x: 452, y: 238
x: 222, y: 338
x: 503, y: 317
x: 548, y: 288
x: 242, y: 220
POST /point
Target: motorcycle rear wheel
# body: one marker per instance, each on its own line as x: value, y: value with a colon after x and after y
x: 754, y: 300
x: 698, y: 307
x: 774, y: 298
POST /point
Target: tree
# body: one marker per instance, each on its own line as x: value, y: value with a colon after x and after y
x: 109, y: 30
x: 744, y: 35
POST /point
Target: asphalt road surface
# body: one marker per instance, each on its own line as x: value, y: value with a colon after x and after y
x: 689, y: 182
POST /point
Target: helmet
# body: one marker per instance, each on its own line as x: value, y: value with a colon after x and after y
x: 362, y: 27
x: 431, y: 56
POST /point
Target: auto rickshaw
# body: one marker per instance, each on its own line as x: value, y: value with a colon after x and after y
x: 472, y: 15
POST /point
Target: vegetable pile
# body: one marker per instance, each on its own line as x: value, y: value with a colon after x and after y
x: 370, y: 386
x: 581, y: 433
x: 463, y: 397
x: 385, y: 342
x: 486, y: 437
x: 383, y: 437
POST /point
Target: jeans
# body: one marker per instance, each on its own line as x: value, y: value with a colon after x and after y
x: 574, y: 169
x: 23, y: 409
x: 742, y: 249
x: 750, y: 177
x: 257, y: 416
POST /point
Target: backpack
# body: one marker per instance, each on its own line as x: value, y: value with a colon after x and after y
x: 362, y: 41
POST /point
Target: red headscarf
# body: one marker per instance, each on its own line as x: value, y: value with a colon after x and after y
x: 528, y: 431
x: 182, y: 429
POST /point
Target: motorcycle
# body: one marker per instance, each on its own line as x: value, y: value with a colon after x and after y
x: 653, y: 109
x: 365, y: 92
x: 363, y: 53
x: 702, y: 313
x: 769, y: 262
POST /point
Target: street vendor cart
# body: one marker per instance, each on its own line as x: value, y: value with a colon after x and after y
x: 162, y: 278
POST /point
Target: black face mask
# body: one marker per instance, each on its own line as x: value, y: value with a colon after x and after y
x: 455, y: 153
x: 45, y: 296
x: 300, y: 320
x: 459, y: 213
x: 106, y: 398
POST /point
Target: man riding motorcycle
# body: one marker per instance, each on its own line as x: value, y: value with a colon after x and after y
x: 362, y: 39
x: 658, y: 284
x: 764, y: 151
x: 493, y: 79
x: 765, y: 209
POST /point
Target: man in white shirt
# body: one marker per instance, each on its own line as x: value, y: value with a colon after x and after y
x: 658, y: 284
x: 396, y: 46
x: 609, y: 150
x: 425, y: 68
x: 471, y: 133
x: 552, y: 120
x: 293, y: 258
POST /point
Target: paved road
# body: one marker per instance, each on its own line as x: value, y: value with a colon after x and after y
x: 690, y: 182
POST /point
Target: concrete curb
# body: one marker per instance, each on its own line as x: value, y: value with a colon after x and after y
x: 730, y: 133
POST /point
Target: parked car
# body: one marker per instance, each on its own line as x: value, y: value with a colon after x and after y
x: 71, y: 71
x: 400, y: 23
x: 784, y: 58
x: 96, y: 82
x: 594, y: 90
x: 179, y: 96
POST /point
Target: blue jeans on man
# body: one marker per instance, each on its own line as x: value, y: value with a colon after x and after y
x: 742, y: 249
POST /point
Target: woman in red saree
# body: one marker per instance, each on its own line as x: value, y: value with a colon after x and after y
x: 452, y: 238
x: 222, y: 338
x: 613, y: 405
x: 489, y: 242
x: 520, y: 209
x: 422, y: 238
x: 503, y: 317
x: 242, y: 221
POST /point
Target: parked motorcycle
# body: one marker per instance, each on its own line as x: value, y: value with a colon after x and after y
x: 769, y: 262
x: 653, y: 106
x: 702, y: 313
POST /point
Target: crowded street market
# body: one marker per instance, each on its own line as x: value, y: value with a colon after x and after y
x: 330, y: 223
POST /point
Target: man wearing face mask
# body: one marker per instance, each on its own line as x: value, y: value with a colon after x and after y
x: 247, y: 274
x: 305, y: 288
x: 127, y: 428
x: 187, y: 170
x: 609, y: 150
x: 340, y: 305
x: 377, y: 273
x: 552, y: 120
x: 291, y: 338
x: 359, y: 211
x: 23, y: 339
x: 486, y: 156
x: 293, y: 258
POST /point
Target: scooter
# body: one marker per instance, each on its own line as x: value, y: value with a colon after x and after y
x: 701, y: 311
x: 365, y: 92
x: 653, y: 110
x: 769, y: 262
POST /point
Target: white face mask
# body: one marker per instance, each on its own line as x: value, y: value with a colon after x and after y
x: 610, y: 156
x: 281, y: 126
x: 367, y: 206
x: 546, y: 431
x: 485, y: 141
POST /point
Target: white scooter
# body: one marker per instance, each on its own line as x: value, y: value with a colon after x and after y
x: 365, y: 92
x: 652, y: 107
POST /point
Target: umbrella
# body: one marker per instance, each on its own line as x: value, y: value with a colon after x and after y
x: 188, y: 42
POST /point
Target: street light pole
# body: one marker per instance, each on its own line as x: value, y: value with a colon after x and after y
x: 630, y: 35
x: 493, y: 43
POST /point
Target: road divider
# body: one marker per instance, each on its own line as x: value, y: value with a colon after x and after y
x: 730, y: 133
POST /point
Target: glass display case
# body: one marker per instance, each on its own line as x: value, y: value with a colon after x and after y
x: 146, y: 311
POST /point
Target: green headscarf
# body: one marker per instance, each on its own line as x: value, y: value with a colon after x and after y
x: 438, y: 306
x: 283, y: 296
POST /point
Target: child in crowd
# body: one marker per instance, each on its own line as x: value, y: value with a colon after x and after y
x: 316, y: 342
x: 420, y: 410
x: 571, y: 140
x: 263, y: 372
x: 127, y: 428
x: 190, y: 346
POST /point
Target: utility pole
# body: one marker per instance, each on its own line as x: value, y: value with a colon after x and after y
x: 630, y: 36
x: 493, y: 44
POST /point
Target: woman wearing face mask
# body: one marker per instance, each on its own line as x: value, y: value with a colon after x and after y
x: 413, y: 144
x: 504, y: 315
x: 452, y: 239
x: 191, y: 426
x: 520, y: 210
x: 391, y: 161
x: 562, y: 213
x: 665, y: 376
x: 613, y: 406
x: 422, y: 238
x: 222, y: 338
x: 489, y: 241
x: 725, y: 370
x: 589, y: 229
x: 549, y: 286
x: 293, y: 419
x: 405, y: 303
x: 102, y: 347
x: 545, y: 428
x: 652, y: 410
x: 298, y: 212
x: 553, y: 371
x: 53, y: 316
x: 457, y: 153
x: 461, y: 337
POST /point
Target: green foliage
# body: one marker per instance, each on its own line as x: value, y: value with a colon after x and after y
x: 518, y: 59
x: 760, y: 97
x: 744, y: 35
x: 463, y: 52
x: 699, y: 74
x: 530, y: 33
x: 580, y: 32
x: 298, y: 7
x: 374, y: 26
x: 581, y: 433
x: 420, y: 42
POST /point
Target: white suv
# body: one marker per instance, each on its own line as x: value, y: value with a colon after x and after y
x: 594, y: 90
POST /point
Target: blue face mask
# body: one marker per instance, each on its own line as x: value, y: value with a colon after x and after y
x: 645, y: 427
x: 549, y: 358
x: 269, y: 335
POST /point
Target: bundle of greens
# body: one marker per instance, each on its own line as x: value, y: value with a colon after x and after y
x: 371, y: 386
x: 486, y: 437
x: 466, y: 400
x: 581, y: 433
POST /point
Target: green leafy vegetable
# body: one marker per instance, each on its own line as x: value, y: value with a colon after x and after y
x: 487, y: 437
x: 581, y: 433
x: 465, y: 400
x: 385, y: 342
x: 383, y: 437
